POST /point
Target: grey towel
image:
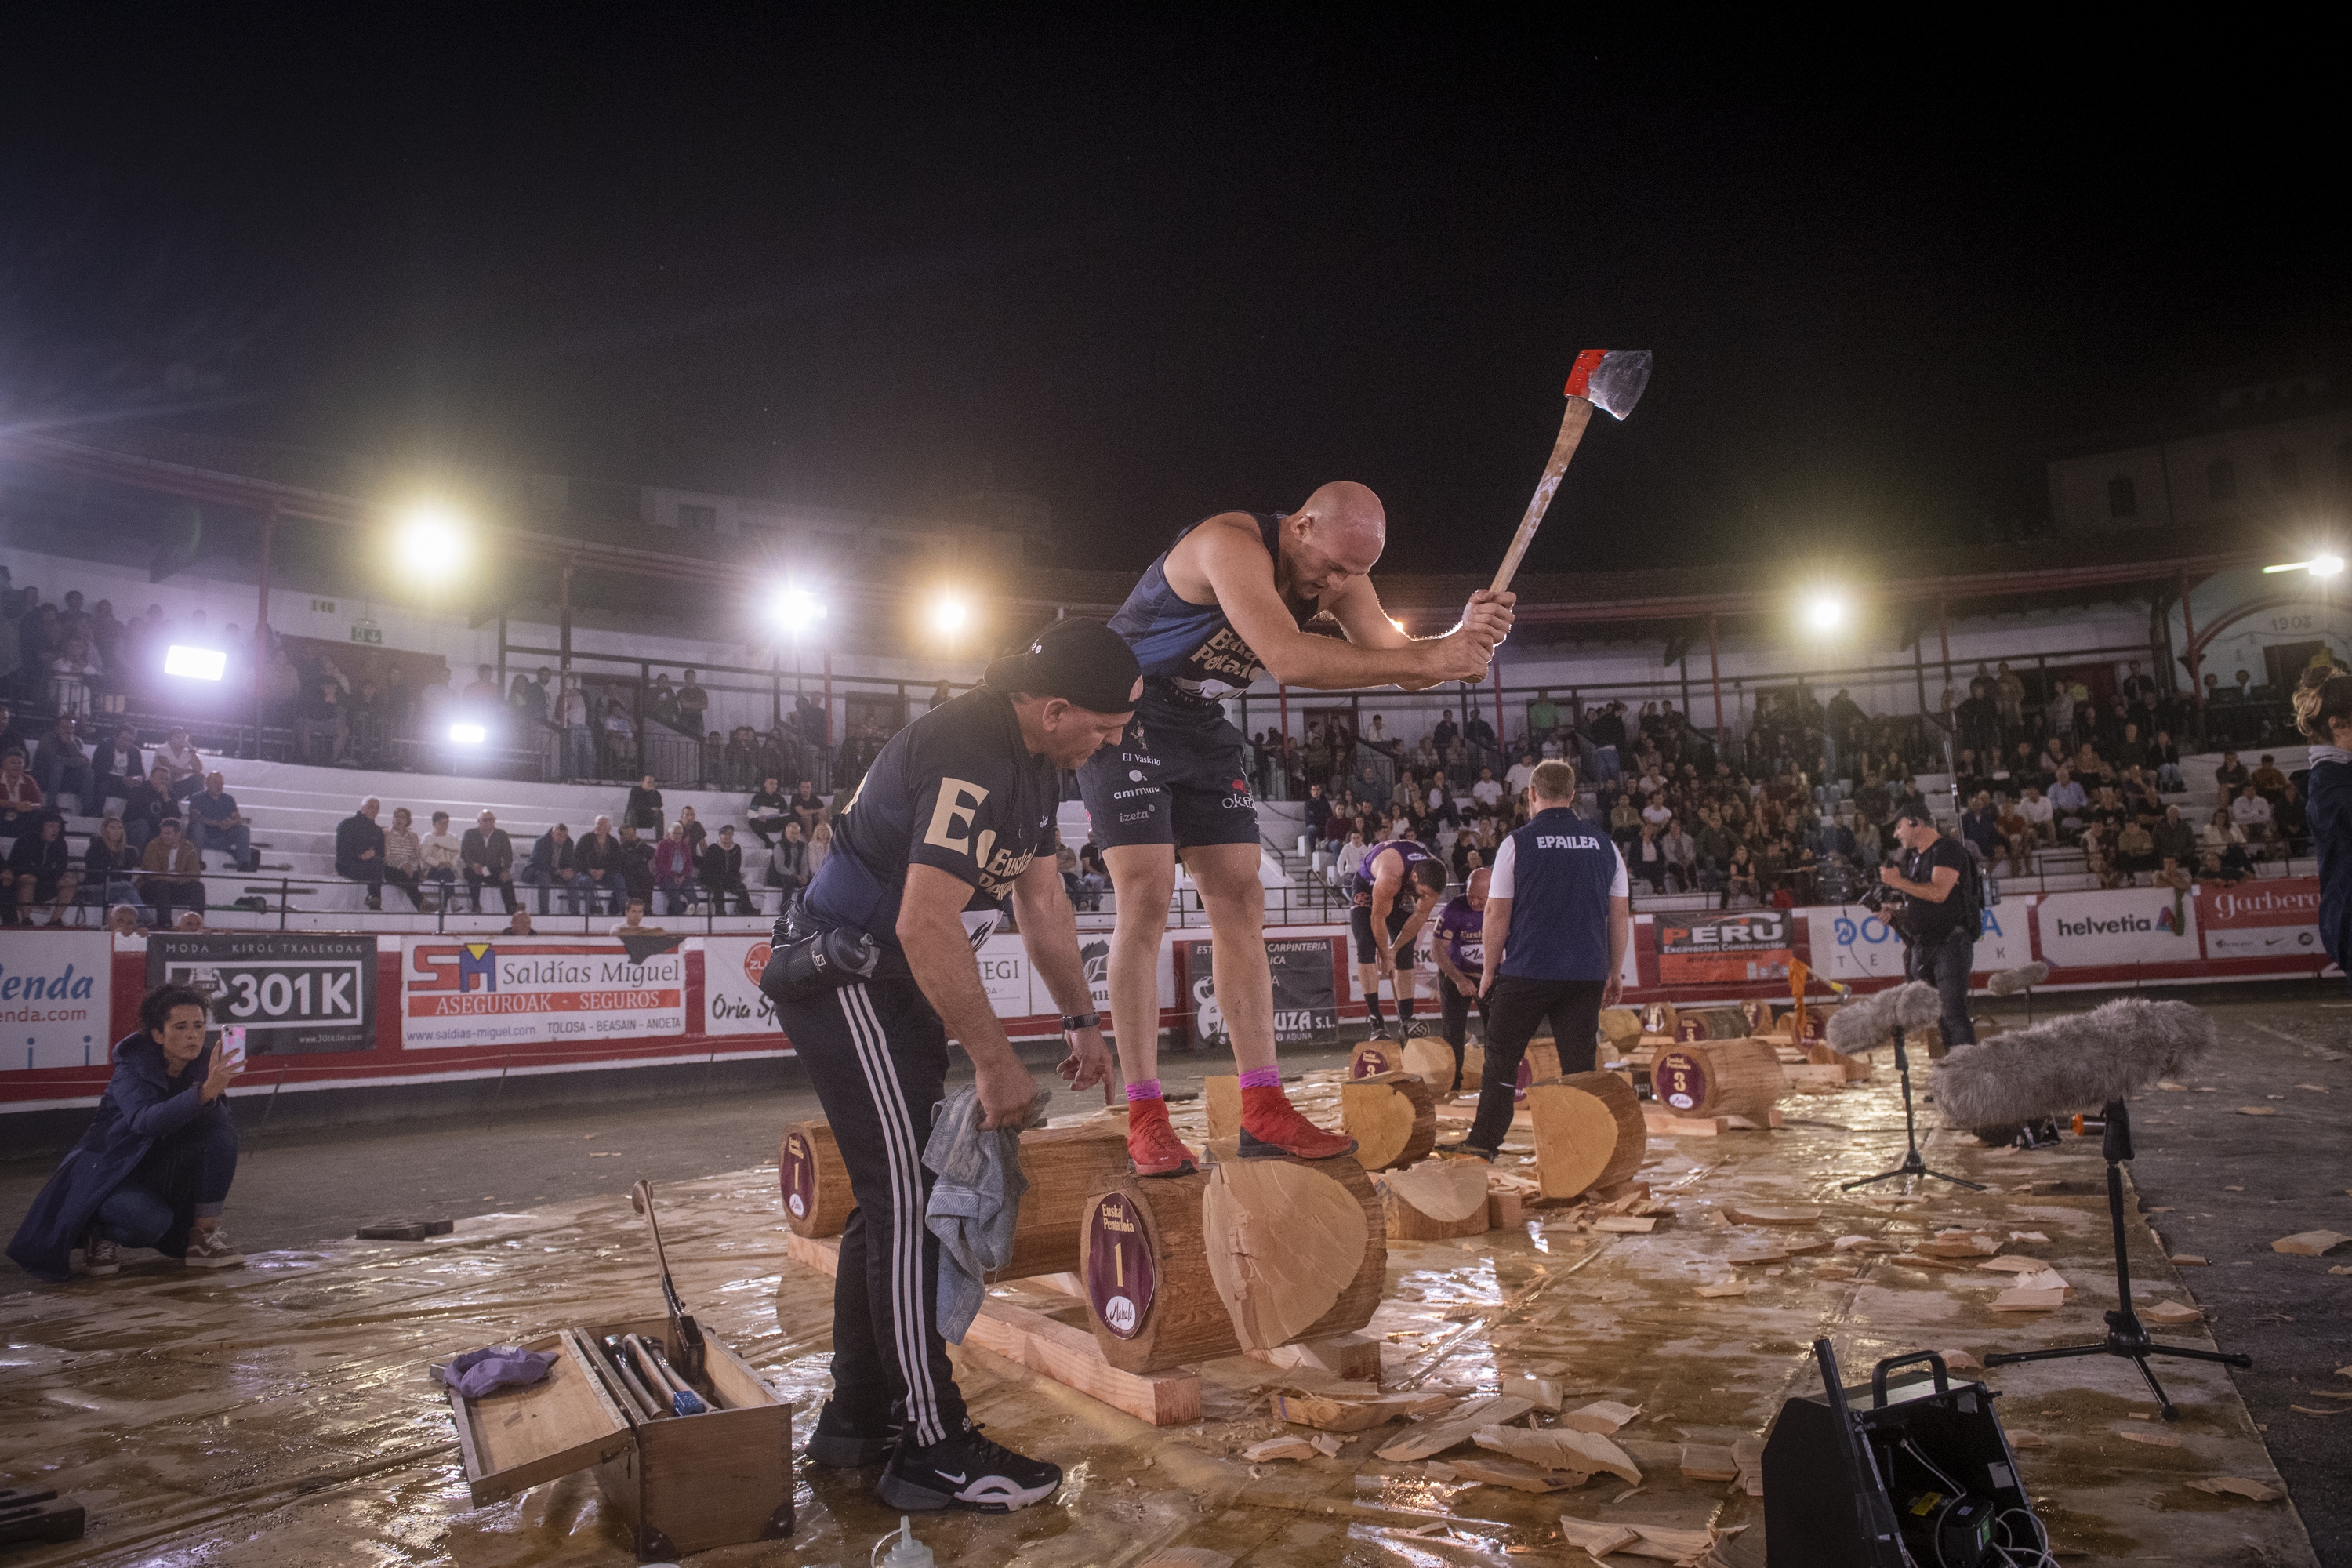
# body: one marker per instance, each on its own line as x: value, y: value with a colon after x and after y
x: 975, y: 1205
x: 478, y: 1373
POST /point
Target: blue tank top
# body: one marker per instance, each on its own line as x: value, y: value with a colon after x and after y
x: 1192, y: 649
x: 1411, y: 852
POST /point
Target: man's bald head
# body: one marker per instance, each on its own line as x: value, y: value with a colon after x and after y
x: 1337, y: 535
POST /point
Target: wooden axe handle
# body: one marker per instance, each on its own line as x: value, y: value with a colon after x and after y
x: 1571, y: 431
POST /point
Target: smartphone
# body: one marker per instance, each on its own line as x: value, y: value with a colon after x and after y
x: 232, y: 1043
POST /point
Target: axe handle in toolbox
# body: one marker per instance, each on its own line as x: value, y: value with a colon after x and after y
x: 1571, y: 431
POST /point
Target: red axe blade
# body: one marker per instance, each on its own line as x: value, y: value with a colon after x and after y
x: 1612, y: 379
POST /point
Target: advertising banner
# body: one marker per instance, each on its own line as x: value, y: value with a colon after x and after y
x: 1735, y: 948
x: 2125, y: 926
x: 294, y: 991
x: 56, y: 999
x: 1305, y: 1010
x: 1849, y: 942
x: 732, y: 1001
x: 2278, y: 918
x: 492, y: 991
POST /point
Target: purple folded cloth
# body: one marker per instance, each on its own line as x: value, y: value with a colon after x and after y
x: 478, y: 1373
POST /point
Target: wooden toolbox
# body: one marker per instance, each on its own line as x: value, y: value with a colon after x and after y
x: 684, y: 1483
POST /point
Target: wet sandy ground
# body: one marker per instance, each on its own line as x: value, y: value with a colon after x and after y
x: 282, y: 1413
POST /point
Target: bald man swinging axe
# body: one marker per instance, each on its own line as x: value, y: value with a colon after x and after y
x: 1226, y: 603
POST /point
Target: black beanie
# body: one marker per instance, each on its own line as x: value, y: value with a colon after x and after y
x: 1084, y: 662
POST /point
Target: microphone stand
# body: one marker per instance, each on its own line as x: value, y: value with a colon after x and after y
x: 2126, y: 1337
x: 1912, y: 1165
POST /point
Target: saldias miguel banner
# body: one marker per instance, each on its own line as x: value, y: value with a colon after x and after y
x: 293, y: 992
x: 1304, y: 1007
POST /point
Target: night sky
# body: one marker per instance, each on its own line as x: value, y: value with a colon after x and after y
x: 1145, y: 273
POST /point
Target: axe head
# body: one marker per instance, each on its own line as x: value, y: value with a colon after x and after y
x: 1610, y: 378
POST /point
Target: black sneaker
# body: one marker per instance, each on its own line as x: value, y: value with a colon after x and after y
x: 966, y: 1471
x: 835, y: 1445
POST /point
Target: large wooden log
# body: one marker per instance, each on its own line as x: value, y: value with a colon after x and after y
x: 1718, y: 1077
x: 1222, y: 1093
x: 1064, y: 1166
x: 1392, y: 1118
x: 1622, y: 1028
x: 1153, y: 1300
x: 1436, y: 1200
x: 1712, y: 1024
x: 818, y: 1199
x: 1430, y: 1059
x: 1658, y: 1019
x: 1588, y: 1134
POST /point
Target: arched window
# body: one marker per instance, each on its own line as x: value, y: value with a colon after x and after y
x: 2286, y: 472
x: 2123, y: 497
x: 2221, y: 480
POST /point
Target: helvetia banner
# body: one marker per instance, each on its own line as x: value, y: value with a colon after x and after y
x: 295, y: 993
x: 495, y: 991
x: 1304, y: 1008
x: 2126, y: 926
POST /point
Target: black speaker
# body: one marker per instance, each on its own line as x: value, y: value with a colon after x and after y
x: 1858, y: 1477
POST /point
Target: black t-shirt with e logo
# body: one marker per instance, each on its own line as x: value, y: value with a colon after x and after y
x: 958, y: 789
x: 1923, y: 919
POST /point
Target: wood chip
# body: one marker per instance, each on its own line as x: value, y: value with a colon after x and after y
x: 2028, y: 1440
x: 1729, y: 1288
x: 1596, y: 1538
x: 1921, y: 1260
x: 2172, y: 1312
x: 1456, y: 1427
x: 1625, y: 1223
x: 2023, y: 1300
x: 1330, y: 1415
x: 2028, y: 1235
x: 1768, y: 1255
x: 1705, y: 1462
x: 1561, y: 1448
x: 1863, y: 1244
x: 2313, y: 1088
x: 1968, y: 1244
x: 1603, y: 1415
x: 2153, y: 1439
x: 1518, y: 1476
x: 1765, y: 1214
x: 1541, y: 1392
x: 2237, y: 1486
x: 2187, y: 1260
x: 2314, y: 1410
x: 1961, y: 1361
x: 2258, y: 1111
x: 2310, y: 1242
x: 2014, y: 1265
x: 1327, y: 1444
x: 2167, y: 1084
x: 1288, y: 1447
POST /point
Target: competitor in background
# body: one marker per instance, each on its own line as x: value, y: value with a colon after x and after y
x: 1396, y: 890
x: 1227, y: 603
x: 1461, y: 945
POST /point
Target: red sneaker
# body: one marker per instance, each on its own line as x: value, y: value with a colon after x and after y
x: 1153, y: 1146
x: 1271, y: 1126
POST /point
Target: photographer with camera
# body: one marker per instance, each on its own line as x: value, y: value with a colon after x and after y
x: 1937, y: 915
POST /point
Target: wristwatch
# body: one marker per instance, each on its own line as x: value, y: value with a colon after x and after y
x: 1074, y: 1021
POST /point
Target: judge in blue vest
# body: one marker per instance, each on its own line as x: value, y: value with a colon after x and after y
x: 1558, y: 918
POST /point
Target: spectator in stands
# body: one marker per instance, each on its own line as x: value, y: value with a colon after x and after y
x: 2251, y: 812
x: 554, y: 863
x: 487, y: 854
x: 633, y: 923
x: 2174, y: 838
x: 2230, y: 778
x: 695, y: 834
x: 128, y: 919
x: 620, y: 740
x: 693, y: 706
x: 661, y: 701
x: 1981, y: 828
x: 2017, y: 839
x: 637, y: 864
x: 767, y: 812
x: 1682, y: 855
x: 808, y: 806
x: 113, y: 764
x: 644, y: 810
x: 789, y: 870
x: 2291, y: 822
x: 2267, y: 779
x: 2069, y: 802
x: 820, y: 845
x: 674, y: 871
x: 155, y: 1166
x: 319, y: 721
x: 720, y: 871
x: 190, y: 919
x: 2211, y: 869
x: 482, y: 692
x: 1486, y: 792
x: 41, y: 870
x: 111, y: 870
x: 20, y: 795
x: 174, y: 871
x: 2165, y: 758
x: 598, y: 858
x: 1315, y: 812
x: 359, y: 849
x: 579, y: 744
x: 217, y: 823
x: 1094, y: 877
x: 64, y: 768
x: 1647, y: 858
x: 440, y: 852
x: 519, y: 922
x: 147, y: 801
x: 15, y: 737
x: 2136, y: 847
x: 2039, y: 814
x: 181, y: 761
x: 403, y: 855
x: 1742, y: 881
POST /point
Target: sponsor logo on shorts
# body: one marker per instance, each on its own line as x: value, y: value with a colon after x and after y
x: 1135, y: 817
x: 1131, y: 794
x: 1135, y: 775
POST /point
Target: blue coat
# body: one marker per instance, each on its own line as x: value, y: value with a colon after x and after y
x: 143, y: 1103
x: 2328, y: 805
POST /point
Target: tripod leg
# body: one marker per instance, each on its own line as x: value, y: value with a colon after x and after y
x: 2162, y: 1404
x: 2218, y: 1358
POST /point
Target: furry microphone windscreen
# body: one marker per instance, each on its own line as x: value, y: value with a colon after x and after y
x: 1873, y: 1020
x: 2009, y: 982
x: 2070, y: 1064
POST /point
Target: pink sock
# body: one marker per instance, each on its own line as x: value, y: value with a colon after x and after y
x: 1262, y: 1077
x: 1148, y: 1089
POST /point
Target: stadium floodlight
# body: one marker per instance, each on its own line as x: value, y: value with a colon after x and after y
x: 195, y: 663
x: 468, y: 735
x: 798, y: 610
x: 949, y: 613
x: 2320, y: 565
x: 432, y: 544
x: 1824, y: 611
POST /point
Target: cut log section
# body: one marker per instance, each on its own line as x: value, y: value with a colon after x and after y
x: 1622, y: 1028
x: 1436, y: 1200
x: 1822, y: 1054
x: 1430, y: 1059
x: 1718, y: 1077
x: 1222, y: 1094
x: 1658, y: 1020
x: 1152, y: 1301
x: 818, y: 1199
x: 1283, y: 1241
x: 1391, y: 1117
x: 1588, y: 1134
x: 1374, y: 1057
x: 1712, y: 1024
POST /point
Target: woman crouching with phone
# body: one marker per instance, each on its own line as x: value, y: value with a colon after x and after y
x: 154, y: 1170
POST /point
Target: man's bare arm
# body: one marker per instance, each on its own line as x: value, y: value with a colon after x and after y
x: 1485, y: 622
x: 1049, y: 931
x: 1497, y: 928
x: 1620, y: 935
x: 931, y: 931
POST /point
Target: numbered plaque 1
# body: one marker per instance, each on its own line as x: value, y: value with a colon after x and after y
x: 798, y: 1175
x: 1120, y: 1274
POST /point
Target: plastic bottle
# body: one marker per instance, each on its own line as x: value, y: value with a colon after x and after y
x: 908, y: 1554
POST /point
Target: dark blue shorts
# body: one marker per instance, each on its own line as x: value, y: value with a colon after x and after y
x: 1175, y: 777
